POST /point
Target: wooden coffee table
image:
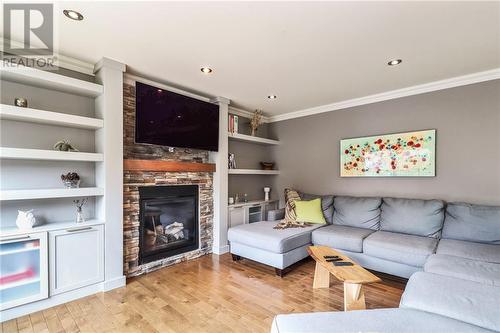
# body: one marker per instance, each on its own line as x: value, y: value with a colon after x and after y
x: 353, y: 276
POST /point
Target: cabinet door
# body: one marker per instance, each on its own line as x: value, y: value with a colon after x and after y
x: 236, y: 216
x: 76, y: 258
x: 254, y: 213
x: 23, y: 269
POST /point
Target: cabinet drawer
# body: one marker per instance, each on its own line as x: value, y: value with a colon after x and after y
x: 76, y: 258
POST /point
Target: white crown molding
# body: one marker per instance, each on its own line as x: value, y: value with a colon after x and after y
x: 63, y: 61
x: 246, y: 113
x: 110, y: 63
x: 458, y: 81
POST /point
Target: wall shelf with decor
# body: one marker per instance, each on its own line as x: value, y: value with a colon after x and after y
x: 11, y: 112
x: 48, y: 155
x: 254, y: 139
x: 50, y: 193
x: 253, y: 172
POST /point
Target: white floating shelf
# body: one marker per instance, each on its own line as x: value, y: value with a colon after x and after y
x: 6, y: 195
x: 49, y: 80
x: 11, y: 112
x: 254, y: 139
x: 48, y: 155
x: 50, y: 226
x: 253, y: 172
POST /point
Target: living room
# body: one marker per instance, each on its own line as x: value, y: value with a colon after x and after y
x: 250, y: 167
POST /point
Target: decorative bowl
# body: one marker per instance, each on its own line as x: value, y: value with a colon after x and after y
x: 267, y: 165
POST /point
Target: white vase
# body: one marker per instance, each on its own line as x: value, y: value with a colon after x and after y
x: 79, y: 217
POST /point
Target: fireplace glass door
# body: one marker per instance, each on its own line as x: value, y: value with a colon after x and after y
x: 169, y: 222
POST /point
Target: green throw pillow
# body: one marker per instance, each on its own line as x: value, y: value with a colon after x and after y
x: 310, y: 211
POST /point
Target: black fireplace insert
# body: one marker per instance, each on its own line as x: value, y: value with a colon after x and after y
x: 168, y: 218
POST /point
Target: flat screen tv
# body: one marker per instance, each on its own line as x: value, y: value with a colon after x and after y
x: 166, y: 118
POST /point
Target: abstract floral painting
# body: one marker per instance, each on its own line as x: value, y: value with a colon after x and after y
x: 411, y: 154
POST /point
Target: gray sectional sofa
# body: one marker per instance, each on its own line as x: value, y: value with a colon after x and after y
x: 449, y: 252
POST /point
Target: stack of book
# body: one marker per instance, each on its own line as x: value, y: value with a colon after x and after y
x: 233, y: 124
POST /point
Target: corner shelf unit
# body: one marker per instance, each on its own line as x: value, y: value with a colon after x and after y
x: 10, y: 112
x: 30, y: 194
x: 253, y: 139
x: 252, y: 172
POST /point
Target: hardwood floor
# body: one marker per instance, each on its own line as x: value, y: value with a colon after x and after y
x: 209, y: 294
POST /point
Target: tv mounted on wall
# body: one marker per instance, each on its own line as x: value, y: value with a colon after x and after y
x: 169, y: 119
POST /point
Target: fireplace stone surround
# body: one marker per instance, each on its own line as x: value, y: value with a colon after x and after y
x: 134, y: 179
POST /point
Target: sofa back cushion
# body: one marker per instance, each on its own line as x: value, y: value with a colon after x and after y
x: 412, y: 216
x: 472, y: 223
x: 326, y: 204
x: 360, y: 212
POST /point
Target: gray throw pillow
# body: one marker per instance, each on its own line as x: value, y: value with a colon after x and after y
x: 326, y: 204
x: 412, y: 216
x: 359, y: 212
x: 472, y: 223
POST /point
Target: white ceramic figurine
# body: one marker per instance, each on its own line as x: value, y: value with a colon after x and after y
x: 25, y: 220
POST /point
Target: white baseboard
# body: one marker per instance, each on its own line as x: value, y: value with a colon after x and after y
x: 220, y: 249
x: 69, y: 296
x: 114, y: 283
x: 26, y: 309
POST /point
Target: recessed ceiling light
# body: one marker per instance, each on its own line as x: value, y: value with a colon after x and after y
x: 206, y: 70
x: 272, y: 96
x: 73, y: 15
x: 394, y: 62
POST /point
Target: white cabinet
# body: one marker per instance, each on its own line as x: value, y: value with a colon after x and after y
x: 76, y: 258
x: 23, y: 269
x: 249, y: 212
x: 236, y: 216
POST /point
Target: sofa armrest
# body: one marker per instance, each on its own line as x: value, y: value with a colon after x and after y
x: 276, y: 215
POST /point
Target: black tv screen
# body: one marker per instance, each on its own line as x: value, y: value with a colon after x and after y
x: 165, y: 118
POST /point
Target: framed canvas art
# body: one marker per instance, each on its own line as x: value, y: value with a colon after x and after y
x: 410, y: 154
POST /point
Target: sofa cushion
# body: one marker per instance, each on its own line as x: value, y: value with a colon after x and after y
x: 462, y: 268
x: 471, y: 250
x: 261, y: 235
x: 473, y: 223
x: 363, y: 321
x: 468, y: 301
x: 341, y: 237
x: 412, y: 216
x: 405, y: 249
x: 357, y: 212
x: 326, y: 204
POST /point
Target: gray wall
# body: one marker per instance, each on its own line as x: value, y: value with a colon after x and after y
x: 467, y: 120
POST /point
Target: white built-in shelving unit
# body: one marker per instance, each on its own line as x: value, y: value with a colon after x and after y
x: 98, y: 242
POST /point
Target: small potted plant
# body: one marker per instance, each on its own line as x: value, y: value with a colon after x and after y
x: 71, y: 180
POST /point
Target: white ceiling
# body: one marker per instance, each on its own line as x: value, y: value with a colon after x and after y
x: 307, y: 53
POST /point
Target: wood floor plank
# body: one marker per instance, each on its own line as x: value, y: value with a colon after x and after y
x: 208, y: 294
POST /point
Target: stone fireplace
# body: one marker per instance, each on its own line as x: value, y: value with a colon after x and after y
x: 146, y: 169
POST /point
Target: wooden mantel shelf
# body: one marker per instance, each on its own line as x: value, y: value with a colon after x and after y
x: 170, y: 166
